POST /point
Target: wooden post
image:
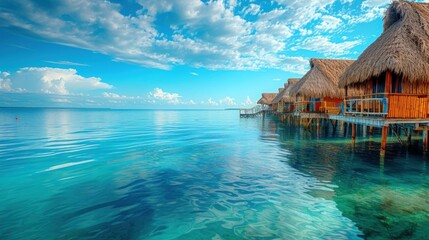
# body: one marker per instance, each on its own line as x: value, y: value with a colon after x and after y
x: 371, y: 130
x: 409, y: 138
x: 353, y: 134
x: 388, y: 83
x: 383, y: 140
x: 416, y: 137
x: 425, y: 140
x: 388, y: 89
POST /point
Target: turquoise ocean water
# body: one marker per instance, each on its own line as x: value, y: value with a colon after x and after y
x: 134, y: 174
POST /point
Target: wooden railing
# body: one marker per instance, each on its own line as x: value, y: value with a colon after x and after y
x: 302, y: 106
x: 254, y: 110
x: 390, y: 105
x: 317, y: 106
x: 330, y: 107
x: 285, y: 107
x: 366, y: 105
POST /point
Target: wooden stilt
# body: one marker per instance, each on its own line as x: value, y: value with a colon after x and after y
x: 353, y: 133
x: 408, y: 136
x: 371, y: 130
x: 384, y: 131
x: 416, y: 137
x: 425, y: 140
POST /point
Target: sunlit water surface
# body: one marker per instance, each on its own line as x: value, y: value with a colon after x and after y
x: 129, y: 174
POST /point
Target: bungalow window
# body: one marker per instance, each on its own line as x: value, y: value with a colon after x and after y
x: 396, y: 84
x: 378, y: 86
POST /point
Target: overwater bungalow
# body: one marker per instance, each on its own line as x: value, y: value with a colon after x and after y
x: 267, y: 99
x: 276, y: 103
x: 285, y: 103
x: 392, y: 73
x: 318, y: 91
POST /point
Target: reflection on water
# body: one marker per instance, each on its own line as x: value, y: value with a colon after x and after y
x: 102, y: 174
x: 385, y: 197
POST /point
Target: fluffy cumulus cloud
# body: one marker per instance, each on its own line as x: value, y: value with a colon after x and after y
x: 247, y: 102
x: 159, y: 95
x: 49, y: 81
x: 4, y: 81
x: 164, y: 33
x: 211, y: 102
x: 228, y: 101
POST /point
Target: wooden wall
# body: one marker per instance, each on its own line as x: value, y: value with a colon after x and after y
x: 408, y: 107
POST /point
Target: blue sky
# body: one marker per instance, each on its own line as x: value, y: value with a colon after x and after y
x: 171, y: 53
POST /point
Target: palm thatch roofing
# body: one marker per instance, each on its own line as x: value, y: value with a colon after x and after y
x: 285, y: 94
x: 322, y: 79
x: 402, y: 48
x: 267, y: 98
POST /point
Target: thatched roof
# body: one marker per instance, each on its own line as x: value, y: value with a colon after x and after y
x: 322, y: 79
x: 285, y: 94
x: 402, y: 48
x: 267, y: 98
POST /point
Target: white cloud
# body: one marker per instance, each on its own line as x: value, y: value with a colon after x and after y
x: 61, y: 100
x: 207, y: 34
x: 329, y: 23
x: 305, y: 32
x: 67, y: 63
x: 52, y: 81
x: 298, y: 13
x: 114, y: 96
x: 371, y: 9
x: 211, y: 102
x: 159, y: 95
x: 4, y: 81
x: 252, y: 9
x: 276, y: 79
x: 324, y: 45
x: 247, y: 102
x: 194, y: 73
x: 228, y: 101
x: 374, y: 3
x: 294, y: 64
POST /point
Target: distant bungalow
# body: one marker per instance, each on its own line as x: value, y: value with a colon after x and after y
x: 267, y: 99
x: 275, y: 104
x: 284, y: 101
x: 318, y: 90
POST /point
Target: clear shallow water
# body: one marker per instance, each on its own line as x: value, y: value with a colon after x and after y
x: 100, y: 174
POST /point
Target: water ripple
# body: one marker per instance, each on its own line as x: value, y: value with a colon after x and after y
x: 81, y: 174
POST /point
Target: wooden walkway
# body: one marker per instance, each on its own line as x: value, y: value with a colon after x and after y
x: 256, y: 111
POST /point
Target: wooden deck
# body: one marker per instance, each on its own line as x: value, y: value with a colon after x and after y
x: 312, y: 115
x: 379, y: 122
